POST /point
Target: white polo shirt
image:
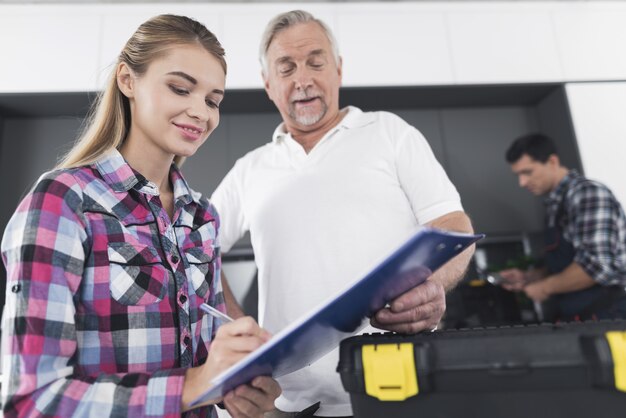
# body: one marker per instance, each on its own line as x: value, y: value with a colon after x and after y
x: 320, y: 220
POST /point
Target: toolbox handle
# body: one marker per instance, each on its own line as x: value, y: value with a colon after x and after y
x: 509, y: 369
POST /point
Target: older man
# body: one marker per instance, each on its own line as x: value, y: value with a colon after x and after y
x: 333, y: 191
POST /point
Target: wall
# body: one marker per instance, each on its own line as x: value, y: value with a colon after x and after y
x: 599, y: 115
x: 441, y: 43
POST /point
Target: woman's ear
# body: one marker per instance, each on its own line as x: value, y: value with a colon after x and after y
x: 125, y: 79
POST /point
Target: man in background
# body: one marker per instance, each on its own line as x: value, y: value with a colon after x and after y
x: 585, y: 237
x: 331, y: 194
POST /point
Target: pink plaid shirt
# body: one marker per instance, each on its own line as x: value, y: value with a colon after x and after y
x: 101, y: 315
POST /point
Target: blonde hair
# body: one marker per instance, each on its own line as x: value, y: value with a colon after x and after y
x: 109, y: 119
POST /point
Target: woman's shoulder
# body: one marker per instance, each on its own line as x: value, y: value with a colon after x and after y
x: 63, y: 181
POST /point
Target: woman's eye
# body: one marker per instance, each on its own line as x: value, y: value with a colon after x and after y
x: 178, y: 90
x: 212, y: 104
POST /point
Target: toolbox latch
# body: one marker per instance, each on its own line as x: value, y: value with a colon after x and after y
x: 617, y: 343
x: 389, y: 371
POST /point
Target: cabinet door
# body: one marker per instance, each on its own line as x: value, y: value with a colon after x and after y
x: 394, y: 47
x: 48, y: 51
x: 503, y: 46
x: 592, y: 44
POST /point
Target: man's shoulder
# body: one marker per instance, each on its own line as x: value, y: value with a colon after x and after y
x: 583, y: 187
x: 379, y: 116
x: 382, y: 122
x: 580, y: 182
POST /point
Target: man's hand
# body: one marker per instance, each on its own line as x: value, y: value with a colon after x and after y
x: 254, y: 399
x: 537, y: 291
x: 420, y: 308
x: 513, y: 279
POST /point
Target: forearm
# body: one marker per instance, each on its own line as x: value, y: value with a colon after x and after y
x: 104, y: 395
x: 572, y: 279
x: 452, y: 272
x: 232, y: 306
x: 535, y: 274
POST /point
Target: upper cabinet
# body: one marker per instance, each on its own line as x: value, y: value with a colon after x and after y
x: 387, y: 48
x: 49, y: 50
x: 592, y: 43
x: 503, y: 46
x: 69, y: 48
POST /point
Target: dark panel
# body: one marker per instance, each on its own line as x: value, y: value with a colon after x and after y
x: 45, y: 104
x: 556, y: 122
x: 256, y: 100
x: 475, y: 141
x: 370, y: 98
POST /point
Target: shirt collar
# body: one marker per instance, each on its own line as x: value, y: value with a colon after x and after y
x: 121, y: 177
x: 355, y: 118
x: 559, y: 191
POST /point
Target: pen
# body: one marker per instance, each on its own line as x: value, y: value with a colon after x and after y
x: 215, y: 313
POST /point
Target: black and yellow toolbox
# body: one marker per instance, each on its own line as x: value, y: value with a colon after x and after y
x: 573, y: 370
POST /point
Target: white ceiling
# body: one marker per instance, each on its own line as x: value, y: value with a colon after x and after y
x: 260, y: 1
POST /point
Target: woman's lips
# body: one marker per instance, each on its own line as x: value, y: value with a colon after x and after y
x: 190, y: 132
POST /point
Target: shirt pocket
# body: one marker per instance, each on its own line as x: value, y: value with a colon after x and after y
x: 137, y: 274
x: 202, y: 267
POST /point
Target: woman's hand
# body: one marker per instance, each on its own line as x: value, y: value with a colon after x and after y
x: 254, y: 399
x: 232, y: 342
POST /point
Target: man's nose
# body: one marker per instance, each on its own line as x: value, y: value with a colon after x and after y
x: 303, y: 79
x: 523, y: 181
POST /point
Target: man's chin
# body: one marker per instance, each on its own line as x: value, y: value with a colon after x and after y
x: 309, y: 120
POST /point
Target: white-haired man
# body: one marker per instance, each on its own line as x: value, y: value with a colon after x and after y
x: 334, y: 191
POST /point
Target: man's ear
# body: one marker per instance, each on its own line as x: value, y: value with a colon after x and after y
x: 340, y: 68
x: 266, y: 85
x: 125, y: 79
x: 554, y: 160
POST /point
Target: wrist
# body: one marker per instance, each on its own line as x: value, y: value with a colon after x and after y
x: 193, y: 386
x: 548, y: 285
x: 532, y: 275
x: 189, y: 388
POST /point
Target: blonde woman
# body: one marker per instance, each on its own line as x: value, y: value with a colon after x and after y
x: 110, y: 255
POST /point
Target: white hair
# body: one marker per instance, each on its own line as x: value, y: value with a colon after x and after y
x: 286, y: 20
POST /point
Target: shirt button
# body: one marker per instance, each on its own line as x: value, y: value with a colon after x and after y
x: 16, y: 288
x: 175, y: 258
x: 182, y: 299
x: 187, y: 340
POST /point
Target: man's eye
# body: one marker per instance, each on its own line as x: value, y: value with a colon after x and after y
x: 285, y: 70
x: 178, y: 90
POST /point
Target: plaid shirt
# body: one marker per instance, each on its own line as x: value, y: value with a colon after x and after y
x: 101, y: 315
x: 594, y: 223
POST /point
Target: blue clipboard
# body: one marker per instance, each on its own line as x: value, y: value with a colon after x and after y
x: 322, y: 329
